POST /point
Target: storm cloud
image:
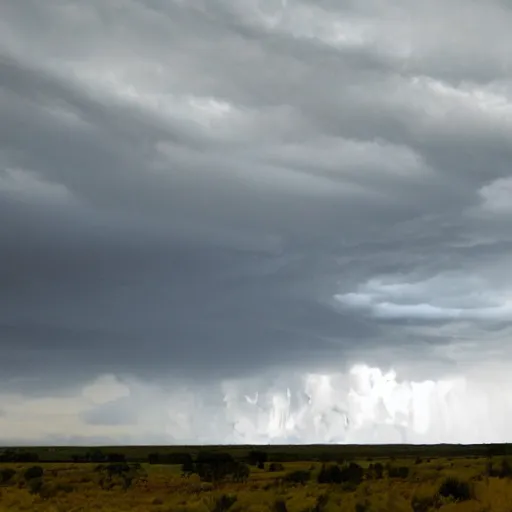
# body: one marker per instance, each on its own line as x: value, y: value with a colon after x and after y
x: 249, y: 211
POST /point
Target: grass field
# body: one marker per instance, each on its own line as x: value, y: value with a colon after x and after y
x: 306, y: 479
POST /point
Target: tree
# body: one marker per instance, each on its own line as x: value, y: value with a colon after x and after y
x: 257, y: 458
x: 330, y: 474
x: 213, y: 467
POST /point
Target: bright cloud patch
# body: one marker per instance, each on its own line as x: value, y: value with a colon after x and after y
x: 497, y: 196
x: 447, y: 297
x: 106, y: 389
x: 364, y: 405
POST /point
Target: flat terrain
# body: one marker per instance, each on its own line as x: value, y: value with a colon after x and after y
x: 279, y: 479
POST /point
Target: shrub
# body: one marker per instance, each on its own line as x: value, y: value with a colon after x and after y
x: 275, y: 466
x: 456, y: 489
x: 321, y: 503
x: 506, y: 469
x: 35, y: 485
x: 279, y: 506
x: 352, y: 473
x: 330, y: 475
x: 378, y: 470
x: 239, y: 471
x: 298, y: 477
x: 188, y: 467
x: 257, y: 458
x: 362, y: 506
x: 335, y: 474
x: 33, y: 472
x: 349, y: 486
x: 6, y: 475
x: 224, y: 503
x: 423, y: 503
x: 398, y: 472
x: 64, y: 488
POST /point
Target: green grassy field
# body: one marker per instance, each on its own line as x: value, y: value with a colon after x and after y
x: 315, y: 478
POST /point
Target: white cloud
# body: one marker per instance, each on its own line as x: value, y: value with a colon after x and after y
x: 451, y: 296
x: 364, y: 405
x: 106, y: 388
x: 496, y: 197
x: 347, y: 407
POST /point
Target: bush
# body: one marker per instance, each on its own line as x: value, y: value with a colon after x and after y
x: 240, y: 472
x: 6, y: 475
x: 456, y: 489
x: 224, y: 503
x: 349, y: 486
x: 257, y: 458
x: 423, y: 503
x: 321, y: 503
x: 279, y: 506
x: 298, y: 477
x: 398, y: 472
x: 330, y: 475
x: 375, y: 471
x: 188, y: 467
x: 350, y: 473
x: 353, y: 473
x: 378, y: 470
x: 506, y: 469
x: 35, y: 485
x: 33, y: 472
x: 275, y: 466
x: 64, y: 488
x: 362, y: 506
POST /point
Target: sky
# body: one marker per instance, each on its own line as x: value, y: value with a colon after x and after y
x: 261, y: 221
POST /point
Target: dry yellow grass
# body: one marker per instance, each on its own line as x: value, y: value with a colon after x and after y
x: 75, y: 488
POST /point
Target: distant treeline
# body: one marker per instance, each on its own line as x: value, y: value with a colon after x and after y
x: 252, y: 455
x: 12, y: 455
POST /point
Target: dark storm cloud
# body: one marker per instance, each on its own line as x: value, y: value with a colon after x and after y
x: 142, y: 233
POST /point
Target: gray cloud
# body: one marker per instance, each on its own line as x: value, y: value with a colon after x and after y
x: 121, y: 412
x: 203, y: 191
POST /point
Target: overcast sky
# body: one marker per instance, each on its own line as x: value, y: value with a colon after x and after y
x: 255, y: 221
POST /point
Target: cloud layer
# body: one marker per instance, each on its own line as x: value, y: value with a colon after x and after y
x: 198, y: 193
